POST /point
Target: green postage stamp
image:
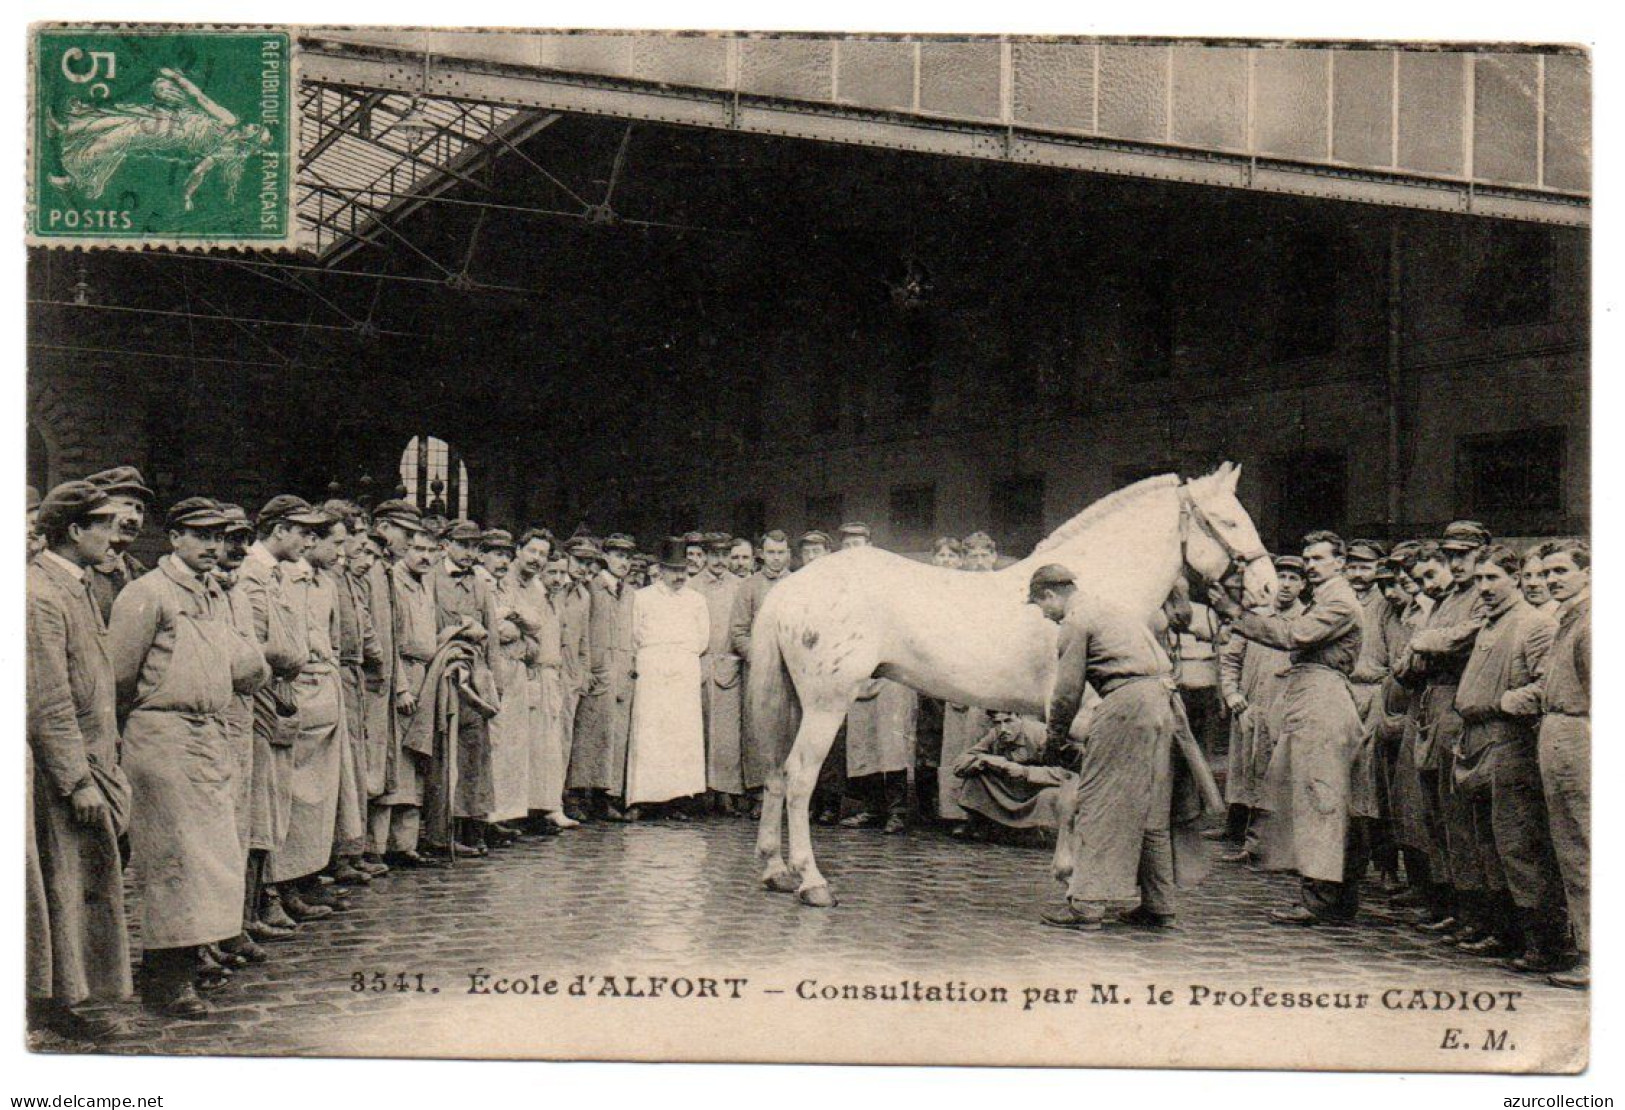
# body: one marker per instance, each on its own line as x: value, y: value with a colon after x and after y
x: 149, y: 136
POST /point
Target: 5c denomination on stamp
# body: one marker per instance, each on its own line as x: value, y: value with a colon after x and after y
x: 154, y: 136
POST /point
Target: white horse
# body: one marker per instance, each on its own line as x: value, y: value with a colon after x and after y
x: 965, y: 638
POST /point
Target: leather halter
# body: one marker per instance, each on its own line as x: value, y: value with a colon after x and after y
x: 1190, y: 512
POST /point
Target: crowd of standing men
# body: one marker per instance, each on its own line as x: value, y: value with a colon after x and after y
x: 288, y: 707
x: 1423, y: 712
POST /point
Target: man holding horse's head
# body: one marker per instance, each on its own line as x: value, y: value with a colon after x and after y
x: 1320, y: 731
x: 1114, y: 843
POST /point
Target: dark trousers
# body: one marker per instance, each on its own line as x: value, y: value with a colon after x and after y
x: 1340, y: 901
x: 831, y: 787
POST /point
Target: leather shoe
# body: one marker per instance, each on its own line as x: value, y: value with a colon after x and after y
x: 1541, y: 963
x: 183, y: 1003
x: 347, y: 874
x: 677, y: 815
x: 959, y: 830
x: 1068, y: 918
x: 896, y: 825
x: 1216, y: 834
x: 467, y: 851
x: 302, y: 911
x: 1240, y: 855
x: 245, y: 949
x: 1575, y: 979
x: 864, y: 820
x: 1438, y: 926
x: 372, y: 865
x: 1488, y: 945
x: 70, y: 1024
x: 1300, y: 915
x: 1146, y: 919
x: 417, y: 861
x: 827, y: 817
x: 557, y: 820
x: 268, y: 931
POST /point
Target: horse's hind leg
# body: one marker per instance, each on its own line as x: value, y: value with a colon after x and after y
x: 813, y: 741
x: 775, y: 876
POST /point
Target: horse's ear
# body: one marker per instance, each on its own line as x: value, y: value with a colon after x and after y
x: 1235, y: 476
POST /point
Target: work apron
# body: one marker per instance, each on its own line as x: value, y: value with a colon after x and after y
x: 666, y: 759
x: 1307, y: 787
x: 510, y: 732
x: 182, y: 770
x: 723, y: 703
x: 549, y: 738
x: 315, y: 776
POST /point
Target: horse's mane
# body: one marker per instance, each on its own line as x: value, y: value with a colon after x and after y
x: 1106, y: 506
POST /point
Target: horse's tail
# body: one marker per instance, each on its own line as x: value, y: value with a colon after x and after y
x: 772, y: 706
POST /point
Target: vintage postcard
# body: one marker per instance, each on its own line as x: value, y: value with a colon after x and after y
x: 809, y: 548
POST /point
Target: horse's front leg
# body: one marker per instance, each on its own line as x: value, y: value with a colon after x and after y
x: 775, y: 875
x: 813, y: 742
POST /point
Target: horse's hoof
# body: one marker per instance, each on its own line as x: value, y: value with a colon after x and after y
x: 782, y: 883
x: 818, y: 897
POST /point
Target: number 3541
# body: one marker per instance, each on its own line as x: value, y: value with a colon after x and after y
x: 382, y: 982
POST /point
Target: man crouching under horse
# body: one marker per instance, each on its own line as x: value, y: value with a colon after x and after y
x: 1115, y: 842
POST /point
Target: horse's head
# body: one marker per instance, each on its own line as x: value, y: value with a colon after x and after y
x: 1217, y: 537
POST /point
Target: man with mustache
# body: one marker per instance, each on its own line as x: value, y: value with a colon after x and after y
x: 78, y: 946
x: 178, y: 659
x: 128, y: 492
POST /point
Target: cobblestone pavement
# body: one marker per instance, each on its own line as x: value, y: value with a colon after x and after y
x: 680, y: 897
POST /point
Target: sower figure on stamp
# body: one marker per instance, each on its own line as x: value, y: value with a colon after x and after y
x: 1307, y: 789
x: 1115, y: 842
x: 179, y: 659
x: 78, y: 799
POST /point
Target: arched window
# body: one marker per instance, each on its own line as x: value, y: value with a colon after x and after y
x: 435, y: 477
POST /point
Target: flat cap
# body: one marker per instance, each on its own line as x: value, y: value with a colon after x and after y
x: 401, y: 513
x: 855, y: 528
x: 718, y: 541
x: 196, y: 512
x: 585, y: 548
x: 980, y: 541
x: 73, y: 501
x: 236, y: 519
x: 815, y: 535
x: 694, y: 539
x: 32, y: 498
x: 293, y: 510
x: 462, y: 530
x: 1293, y: 563
x: 1464, y: 535
x: 123, y: 480
x: 1365, y: 551
x: 620, y: 541
x: 1049, y: 576
x: 499, y: 538
x: 436, y: 525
